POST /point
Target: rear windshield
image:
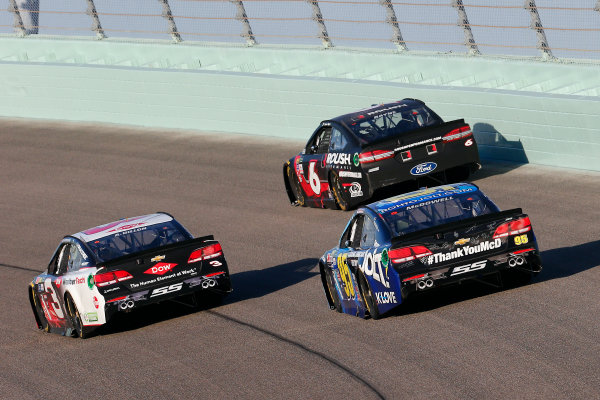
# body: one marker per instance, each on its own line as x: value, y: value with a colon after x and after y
x: 138, y: 239
x: 391, y: 121
x: 438, y: 211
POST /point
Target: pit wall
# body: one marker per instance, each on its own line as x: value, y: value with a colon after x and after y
x: 523, y: 110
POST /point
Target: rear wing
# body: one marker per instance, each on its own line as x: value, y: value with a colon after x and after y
x: 138, y: 258
x: 500, y: 216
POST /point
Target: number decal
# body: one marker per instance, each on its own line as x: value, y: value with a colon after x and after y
x: 313, y: 178
x: 342, y: 264
x: 522, y: 239
x: 52, y: 304
x: 468, y: 268
x: 215, y: 263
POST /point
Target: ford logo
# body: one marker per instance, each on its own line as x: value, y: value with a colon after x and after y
x: 423, y: 168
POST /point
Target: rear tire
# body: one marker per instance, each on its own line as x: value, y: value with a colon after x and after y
x: 295, y: 185
x: 333, y: 294
x: 370, y: 303
x: 338, y: 193
x: 78, y: 329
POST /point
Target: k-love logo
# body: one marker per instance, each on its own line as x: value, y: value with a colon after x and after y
x: 160, y: 268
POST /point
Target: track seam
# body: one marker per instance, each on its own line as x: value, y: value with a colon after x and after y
x: 21, y: 268
x: 279, y: 337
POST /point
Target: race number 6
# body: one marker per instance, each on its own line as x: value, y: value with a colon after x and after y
x: 313, y: 178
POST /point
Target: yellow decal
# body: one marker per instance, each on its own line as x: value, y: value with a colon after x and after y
x: 521, y: 239
x: 342, y: 264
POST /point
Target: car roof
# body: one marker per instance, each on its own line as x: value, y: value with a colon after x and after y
x: 377, y: 109
x: 122, y: 225
x: 420, y: 196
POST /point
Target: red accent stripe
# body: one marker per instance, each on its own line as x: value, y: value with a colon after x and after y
x: 92, y: 324
x: 523, y: 251
x: 213, y: 274
x: 116, y: 299
x: 413, y: 277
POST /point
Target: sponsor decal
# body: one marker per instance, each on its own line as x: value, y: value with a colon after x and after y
x: 356, y: 160
x: 430, y: 194
x: 429, y: 202
x: 373, y: 169
x: 462, y: 251
x: 191, y: 271
x: 111, y: 289
x: 38, y: 279
x: 349, y: 174
x: 469, y: 143
x: 215, y: 263
x: 73, y: 281
x: 460, y: 242
x: 90, y: 317
x: 415, y: 144
x: 346, y: 277
x: 82, y: 252
x: 160, y: 268
x: 386, y: 297
x: 521, y: 239
x: 96, y: 302
x: 339, y: 159
x: 167, y: 289
x: 329, y: 258
x: 158, y: 258
x: 131, y: 231
x: 373, y: 266
x: 90, y: 281
x: 58, y: 282
x: 126, y: 227
x: 355, y: 190
x: 463, y: 269
x: 423, y: 168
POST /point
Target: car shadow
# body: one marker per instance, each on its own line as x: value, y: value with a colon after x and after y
x: 246, y: 285
x: 557, y: 263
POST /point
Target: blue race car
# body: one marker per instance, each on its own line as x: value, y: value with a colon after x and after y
x: 422, y: 240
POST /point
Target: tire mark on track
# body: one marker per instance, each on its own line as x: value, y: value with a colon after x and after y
x: 21, y: 268
x: 274, y: 335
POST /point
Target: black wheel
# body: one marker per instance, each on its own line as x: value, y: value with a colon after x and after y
x: 338, y: 192
x: 78, y: 329
x: 370, y: 302
x: 295, y: 185
x: 333, y: 294
x: 44, y: 326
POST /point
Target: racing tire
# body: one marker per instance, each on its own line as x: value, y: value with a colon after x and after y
x: 340, y: 196
x: 78, y: 329
x: 367, y: 295
x: 333, y: 294
x: 44, y: 325
x: 295, y: 185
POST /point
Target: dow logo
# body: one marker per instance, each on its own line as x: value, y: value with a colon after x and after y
x: 160, y: 268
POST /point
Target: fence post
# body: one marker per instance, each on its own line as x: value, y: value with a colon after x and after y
x: 243, y: 18
x: 597, y: 8
x: 393, y: 21
x: 169, y: 17
x: 536, y: 24
x: 18, y: 24
x: 318, y: 18
x: 463, y: 21
x: 96, y: 26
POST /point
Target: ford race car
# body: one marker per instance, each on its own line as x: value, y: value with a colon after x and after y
x: 420, y: 241
x: 349, y: 157
x: 121, y: 266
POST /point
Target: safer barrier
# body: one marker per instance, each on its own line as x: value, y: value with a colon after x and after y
x: 521, y: 109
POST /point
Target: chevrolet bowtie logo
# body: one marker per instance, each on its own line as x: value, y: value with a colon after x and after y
x: 157, y: 258
x: 460, y: 242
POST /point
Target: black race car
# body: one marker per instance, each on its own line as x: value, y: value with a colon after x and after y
x: 423, y: 240
x: 349, y: 157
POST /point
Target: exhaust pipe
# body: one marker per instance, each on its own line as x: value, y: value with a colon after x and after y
x: 212, y: 283
x: 421, y: 285
x: 130, y: 304
x: 125, y: 305
x: 512, y: 262
x: 429, y: 283
x: 205, y: 285
x: 520, y: 260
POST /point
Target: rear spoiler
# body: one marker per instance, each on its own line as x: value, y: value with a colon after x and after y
x: 421, y: 133
x: 141, y: 254
x: 451, y: 226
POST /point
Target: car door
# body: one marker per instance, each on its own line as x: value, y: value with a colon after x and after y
x: 48, y: 287
x: 343, y: 160
x: 314, y: 180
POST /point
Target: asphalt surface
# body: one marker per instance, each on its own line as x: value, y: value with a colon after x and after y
x: 275, y: 337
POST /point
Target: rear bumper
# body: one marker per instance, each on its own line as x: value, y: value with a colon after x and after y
x: 527, y: 262
x: 219, y: 283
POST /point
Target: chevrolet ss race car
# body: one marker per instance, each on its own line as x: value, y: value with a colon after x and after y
x: 349, y: 157
x: 423, y: 240
x: 121, y: 266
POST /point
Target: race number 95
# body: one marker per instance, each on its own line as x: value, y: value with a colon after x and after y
x: 342, y: 263
x: 521, y: 239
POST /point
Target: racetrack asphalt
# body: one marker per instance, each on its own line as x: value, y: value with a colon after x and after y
x: 275, y: 337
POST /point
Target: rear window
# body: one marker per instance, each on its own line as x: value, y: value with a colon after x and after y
x: 391, y: 121
x: 438, y: 211
x: 138, y: 239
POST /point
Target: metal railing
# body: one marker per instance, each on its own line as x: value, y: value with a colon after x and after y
x: 509, y: 27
